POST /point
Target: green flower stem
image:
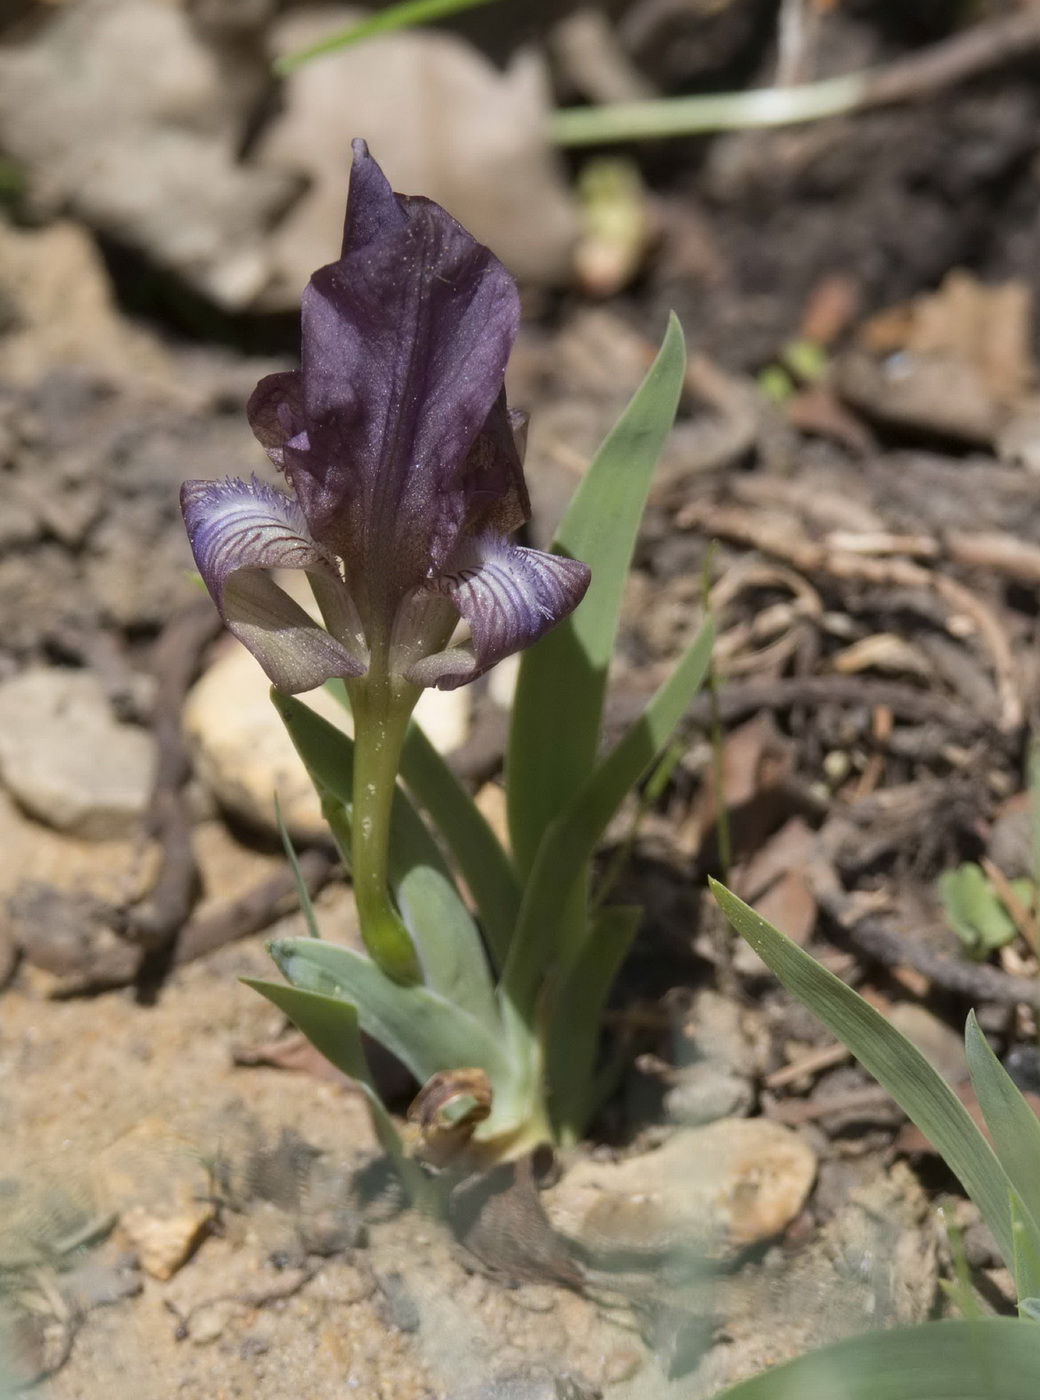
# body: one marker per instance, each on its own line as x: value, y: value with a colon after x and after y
x: 382, y: 707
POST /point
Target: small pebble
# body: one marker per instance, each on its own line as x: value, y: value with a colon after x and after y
x: 706, y: 1092
x: 330, y: 1232
x: 1022, y: 1063
x: 402, y: 1311
x: 158, y: 1185
x: 209, y: 1321
x: 165, y: 1242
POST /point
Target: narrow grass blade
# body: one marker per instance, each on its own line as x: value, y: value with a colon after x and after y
x: 423, y: 1029
x: 409, y: 12
x: 483, y: 864
x: 723, y: 835
x: 894, y: 1062
x: 1015, y: 1131
x: 576, y: 1020
x: 449, y: 944
x: 303, y: 894
x: 995, y: 1359
x: 331, y: 1025
x: 960, y: 1289
x: 571, y: 839
x: 652, y: 792
x: 724, y: 111
x: 1033, y: 772
x: 559, y: 698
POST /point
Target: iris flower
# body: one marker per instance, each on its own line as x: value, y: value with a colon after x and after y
x: 404, y: 466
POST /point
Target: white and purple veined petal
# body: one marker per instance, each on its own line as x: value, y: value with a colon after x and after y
x: 238, y: 532
x: 510, y: 596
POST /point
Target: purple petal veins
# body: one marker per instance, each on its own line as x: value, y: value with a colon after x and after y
x: 247, y: 525
x: 510, y: 596
x: 238, y: 530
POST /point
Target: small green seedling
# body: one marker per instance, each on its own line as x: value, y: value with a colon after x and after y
x: 977, y: 912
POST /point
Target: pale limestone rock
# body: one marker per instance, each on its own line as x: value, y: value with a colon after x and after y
x: 67, y: 759
x: 241, y: 749
x: 55, y: 280
x: 705, y: 1092
x: 714, y: 1190
x: 119, y: 113
x: 444, y: 716
x: 244, y: 755
x: 457, y: 130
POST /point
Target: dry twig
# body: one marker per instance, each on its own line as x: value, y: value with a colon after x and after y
x: 812, y: 558
x: 871, y: 936
x: 254, y: 910
x: 951, y: 61
x: 738, y: 700
x: 921, y: 75
x: 154, y: 923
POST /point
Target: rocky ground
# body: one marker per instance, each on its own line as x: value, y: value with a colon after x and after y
x: 191, y: 1203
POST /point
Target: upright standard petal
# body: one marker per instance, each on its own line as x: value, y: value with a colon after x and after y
x: 492, y: 492
x: 405, y: 343
x: 510, y: 596
x: 275, y: 413
x: 237, y: 531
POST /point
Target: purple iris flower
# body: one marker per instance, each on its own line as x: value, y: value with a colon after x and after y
x: 404, y: 463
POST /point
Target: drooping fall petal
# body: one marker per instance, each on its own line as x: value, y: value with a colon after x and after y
x: 238, y: 531
x: 510, y: 596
